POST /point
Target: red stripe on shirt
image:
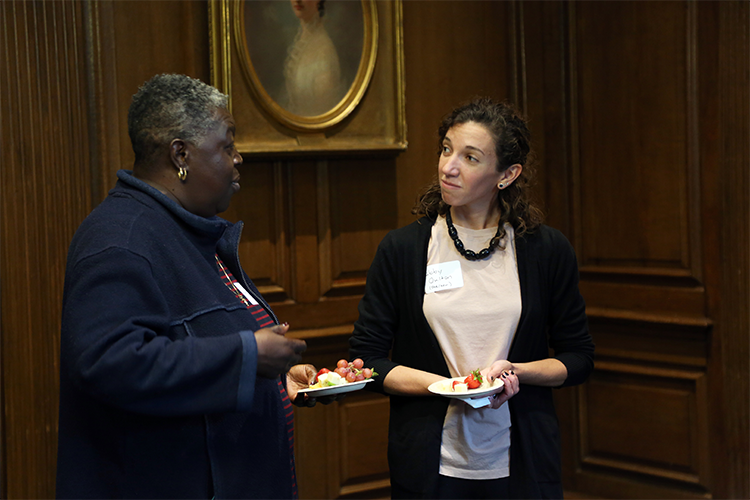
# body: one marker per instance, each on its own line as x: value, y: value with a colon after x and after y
x: 264, y: 320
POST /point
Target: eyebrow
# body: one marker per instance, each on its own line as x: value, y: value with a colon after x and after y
x: 473, y: 148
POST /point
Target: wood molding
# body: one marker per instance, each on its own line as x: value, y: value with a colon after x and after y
x: 45, y: 192
x: 730, y: 391
x: 625, y: 402
x: 632, y: 317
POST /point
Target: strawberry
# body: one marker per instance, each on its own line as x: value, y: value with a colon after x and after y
x: 474, y: 380
x: 321, y: 372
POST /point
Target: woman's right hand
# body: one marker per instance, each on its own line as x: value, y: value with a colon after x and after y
x: 276, y: 353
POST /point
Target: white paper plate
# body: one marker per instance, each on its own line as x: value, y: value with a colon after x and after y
x: 334, y: 389
x: 442, y: 388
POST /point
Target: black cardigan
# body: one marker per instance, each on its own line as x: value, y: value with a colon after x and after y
x: 553, y: 315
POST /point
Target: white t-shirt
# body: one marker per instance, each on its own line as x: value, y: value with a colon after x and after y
x: 474, y: 324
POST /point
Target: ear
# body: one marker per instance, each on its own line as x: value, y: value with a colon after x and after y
x: 178, y: 153
x: 511, y: 174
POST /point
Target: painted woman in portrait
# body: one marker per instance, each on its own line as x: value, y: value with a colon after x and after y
x: 305, y: 57
x: 312, y: 71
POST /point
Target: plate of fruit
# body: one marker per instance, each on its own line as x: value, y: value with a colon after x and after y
x: 472, y: 386
x: 348, y: 376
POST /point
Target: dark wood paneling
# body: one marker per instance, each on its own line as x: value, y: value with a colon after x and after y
x: 730, y: 300
x: 634, y: 115
x: 639, y: 112
x: 633, y: 112
x: 635, y: 199
x: 637, y: 131
x: 263, y: 205
x: 362, y: 211
x: 629, y: 408
x: 44, y: 194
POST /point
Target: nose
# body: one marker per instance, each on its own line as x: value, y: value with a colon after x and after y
x: 449, y: 166
x: 238, y: 158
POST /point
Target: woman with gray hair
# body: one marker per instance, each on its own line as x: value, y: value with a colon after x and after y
x: 176, y: 379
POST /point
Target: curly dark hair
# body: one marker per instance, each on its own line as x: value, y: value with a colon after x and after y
x: 512, y: 146
x: 168, y: 107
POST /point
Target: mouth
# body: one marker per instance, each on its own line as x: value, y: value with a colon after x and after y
x: 236, y: 183
x: 446, y: 184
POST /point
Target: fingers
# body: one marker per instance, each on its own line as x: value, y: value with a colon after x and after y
x: 510, y: 379
x: 280, y: 329
x: 276, y: 353
x: 298, y: 345
x: 304, y: 401
x: 496, y: 369
x: 510, y: 388
x: 307, y: 401
x: 309, y: 372
x: 301, y: 375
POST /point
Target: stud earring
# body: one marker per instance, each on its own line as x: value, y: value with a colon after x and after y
x: 182, y: 174
x: 500, y: 186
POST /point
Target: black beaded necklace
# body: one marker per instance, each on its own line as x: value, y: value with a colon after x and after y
x: 468, y: 254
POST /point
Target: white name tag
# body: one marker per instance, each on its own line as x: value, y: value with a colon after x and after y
x: 246, y: 294
x: 443, y: 277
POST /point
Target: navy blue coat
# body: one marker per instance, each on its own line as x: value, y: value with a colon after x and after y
x: 158, y: 390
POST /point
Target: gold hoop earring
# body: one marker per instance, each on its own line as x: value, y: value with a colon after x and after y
x: 182, y: 174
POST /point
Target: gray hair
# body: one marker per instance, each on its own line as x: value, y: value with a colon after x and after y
x: 168, y: 107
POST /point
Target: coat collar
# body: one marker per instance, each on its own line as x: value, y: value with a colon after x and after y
x: 210, y: 227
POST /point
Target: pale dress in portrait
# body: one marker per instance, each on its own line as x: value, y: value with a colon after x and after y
x: 312, y: 72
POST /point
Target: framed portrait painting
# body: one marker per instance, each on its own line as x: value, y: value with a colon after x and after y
x: 307, y: 76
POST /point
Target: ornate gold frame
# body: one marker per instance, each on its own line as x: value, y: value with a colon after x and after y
x: 343, y: 108
x: 370, y: 117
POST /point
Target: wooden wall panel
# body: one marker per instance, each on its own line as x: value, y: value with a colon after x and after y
x: 634, y: 150
x: 262, y: 205
x: 363, y: 210
x: 630, y: 120
x: 366, y: 464
x: 730, y: 219
x: 635, y: 124
x: 44, y: 194
x: 648, y: 420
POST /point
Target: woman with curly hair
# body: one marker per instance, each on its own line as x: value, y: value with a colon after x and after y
x: 477, y: 283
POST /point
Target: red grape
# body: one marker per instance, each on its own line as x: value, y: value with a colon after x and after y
x: 358, y: 364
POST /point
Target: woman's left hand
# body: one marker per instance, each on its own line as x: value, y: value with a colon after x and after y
x: 502, y: 369
x: 510, y: 389
x: 300, y: 377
